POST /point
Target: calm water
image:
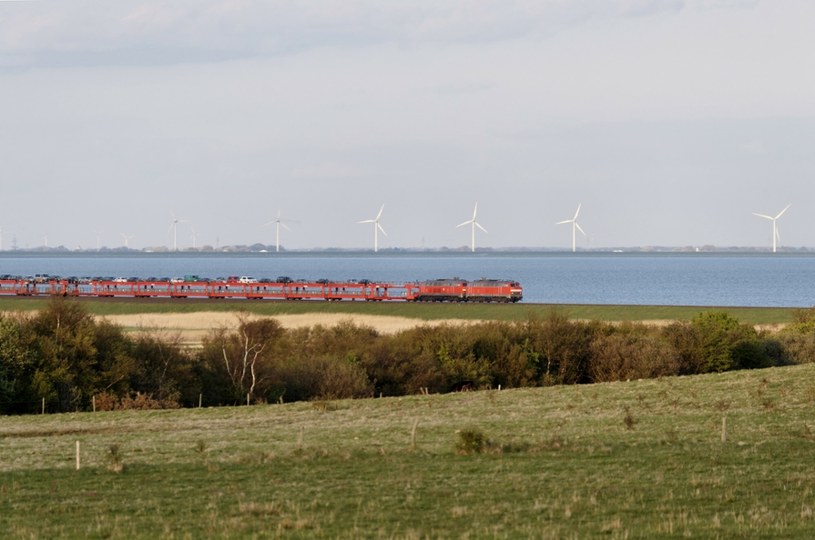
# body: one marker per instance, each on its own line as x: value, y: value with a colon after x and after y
x: 670, y: 279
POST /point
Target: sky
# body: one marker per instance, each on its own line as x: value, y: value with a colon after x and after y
x: 669, y: 121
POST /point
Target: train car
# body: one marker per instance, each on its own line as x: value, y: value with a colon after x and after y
x: 494, y: 290
x: 441, y: 290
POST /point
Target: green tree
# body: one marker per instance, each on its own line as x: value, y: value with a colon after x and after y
x: 163, y: 370
x: 16, y: 365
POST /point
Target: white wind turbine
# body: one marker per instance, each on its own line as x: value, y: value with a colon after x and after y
x: 194, y: 237
x: 174, y: 227
x: 278, y: 222
x: 776, y: 236
x: 127, y: 238
x: 575, y: 227
x: 377, y: 228
x: 473, y: 223
x: 98, y: 239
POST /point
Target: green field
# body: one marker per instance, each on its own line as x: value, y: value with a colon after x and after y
x: 505, y: 312
x: 642, y: 459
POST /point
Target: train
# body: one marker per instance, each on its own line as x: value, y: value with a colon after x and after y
x: 248, y: 288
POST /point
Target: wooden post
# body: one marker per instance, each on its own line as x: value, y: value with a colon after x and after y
x: 77, y: 455
x: 200, y: 398
x: 93, y: 402
x: 413, y: 435
x: 43, y: 405
x: 247, y: 399
x: 724, y: 429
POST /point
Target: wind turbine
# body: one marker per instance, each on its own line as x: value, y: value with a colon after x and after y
x: 377, y: 228
x: 575, y: 227
x: 174, y: 227
x: 194, y: 237
x: 776, y: 236
x: 98, y: 237
x: 279, y: 222
x: 473, y: 223
x: 127, y: 238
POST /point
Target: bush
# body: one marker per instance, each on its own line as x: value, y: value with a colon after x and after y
x: 632, y: 352
x: 471, y: 441
x: 138, y: 401
x: 562, y: 348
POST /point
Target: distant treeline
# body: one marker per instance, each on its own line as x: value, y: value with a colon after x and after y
x: 63, y: 359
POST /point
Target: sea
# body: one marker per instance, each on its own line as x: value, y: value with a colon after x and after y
x: 686, y: 279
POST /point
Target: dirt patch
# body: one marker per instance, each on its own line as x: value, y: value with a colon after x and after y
x: 192, y: 327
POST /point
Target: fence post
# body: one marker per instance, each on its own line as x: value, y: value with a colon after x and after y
x: 77, y: 455
x: 43, y: 405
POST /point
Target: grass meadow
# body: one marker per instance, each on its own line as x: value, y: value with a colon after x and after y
x: 726, y: 455
x: 425, y: 311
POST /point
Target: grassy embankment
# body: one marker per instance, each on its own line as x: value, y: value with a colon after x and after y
x: 642, y: 459
x: 417, y: 311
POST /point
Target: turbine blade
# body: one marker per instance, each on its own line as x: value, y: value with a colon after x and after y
x: 379, y: 215
x: 564, y: 222
x: 475, y: 210
x: 367, y: 221
x: 781, y: 213
x: 378, y: 226
x: 464, y: 223
x: 764, y: 216
x: 284, y: 225
x: 576, y: 224
x: 577, y: 211
x: 479, y: 226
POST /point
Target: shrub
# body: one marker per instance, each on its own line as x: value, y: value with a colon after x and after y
x: 562, y: 348
x: 471, y: 441
x: 631, y: 352
x: 714, y: 342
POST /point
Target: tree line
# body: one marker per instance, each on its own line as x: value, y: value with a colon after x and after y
x: 68, y: 360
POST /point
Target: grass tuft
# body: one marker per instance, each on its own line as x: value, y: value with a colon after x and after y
x: 115, y: 458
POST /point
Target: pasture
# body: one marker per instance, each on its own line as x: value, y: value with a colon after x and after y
x: 724, y: 455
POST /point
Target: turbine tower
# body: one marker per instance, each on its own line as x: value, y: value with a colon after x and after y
x: 278, y: 222
x: 473, y: 223
x: 174, y: 227
x: 377, y: 228
x: 776, y: 236
x: 575, y: 227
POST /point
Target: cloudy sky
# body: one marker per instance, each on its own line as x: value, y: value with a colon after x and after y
x: 671, y: 121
